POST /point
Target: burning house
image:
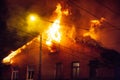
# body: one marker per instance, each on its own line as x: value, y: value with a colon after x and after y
x: 58, y: 54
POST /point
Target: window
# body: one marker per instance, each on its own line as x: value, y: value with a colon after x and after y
x: 93, y: 64
x: 75, y: 70
x: 30, y: 73
x: 14, y: 73
x: 59, y: 71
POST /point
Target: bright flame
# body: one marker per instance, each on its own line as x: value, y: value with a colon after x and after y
x: 10, y: 56
x: 58, y: 11
x: 91, y: 33
x: 66, y: 12
x: 8, y: 59
x: 93, y: 26
x: 53, y: 32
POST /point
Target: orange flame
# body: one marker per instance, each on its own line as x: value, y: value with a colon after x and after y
x: 58, y: 11
x: 93, y: 26
x: 10, y: 56
x: 53, y: 32
x: 66, y: 12
x: 8, y: 59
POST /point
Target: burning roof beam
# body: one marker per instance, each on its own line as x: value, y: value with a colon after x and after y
x: 8, y: 59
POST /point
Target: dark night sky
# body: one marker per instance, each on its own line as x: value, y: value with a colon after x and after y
x: 16, y: 10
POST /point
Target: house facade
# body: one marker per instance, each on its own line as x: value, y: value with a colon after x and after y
x: 69, y: 60
x: 65, y: 53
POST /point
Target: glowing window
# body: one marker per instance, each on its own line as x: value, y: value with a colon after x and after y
x: 75, y: 70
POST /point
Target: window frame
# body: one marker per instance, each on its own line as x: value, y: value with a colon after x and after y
x: 59, y: 71
x: 75, y: 70
x: 30, y: 73
x: 15, y: 73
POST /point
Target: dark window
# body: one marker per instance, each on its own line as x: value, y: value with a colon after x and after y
x: 59, y: 71
x: 93, y: 64
x: 14, y: 74
x: 30, y: 73
x: 75, y: 70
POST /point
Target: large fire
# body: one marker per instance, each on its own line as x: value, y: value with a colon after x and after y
x: 93, y: 26
x: 54, y: 33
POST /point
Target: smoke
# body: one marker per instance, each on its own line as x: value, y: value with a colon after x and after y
x: 108, y: 34
x: 80, y: 14
x: 83, y: 11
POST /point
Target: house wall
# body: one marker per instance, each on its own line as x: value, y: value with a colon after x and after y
x: 28, y: 57
x: 67, y: 54
x: 105, y: 72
